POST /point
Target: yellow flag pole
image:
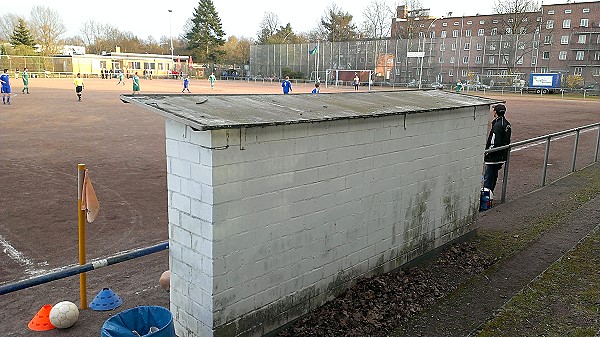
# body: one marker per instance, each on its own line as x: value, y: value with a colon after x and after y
x: 81, y: 227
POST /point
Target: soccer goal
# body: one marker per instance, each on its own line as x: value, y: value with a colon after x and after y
x: 346, y: 76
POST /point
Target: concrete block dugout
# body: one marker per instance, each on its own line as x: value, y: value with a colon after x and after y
x: 278, y: 203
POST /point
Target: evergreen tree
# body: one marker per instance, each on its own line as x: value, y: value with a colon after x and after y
x: 338, y: 25
x: 205, y: 34
x: 21, y: 35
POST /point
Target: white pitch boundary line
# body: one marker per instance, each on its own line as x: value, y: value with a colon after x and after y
x: 21, y: 259
x: 523, y: 147
x: 14, y: 254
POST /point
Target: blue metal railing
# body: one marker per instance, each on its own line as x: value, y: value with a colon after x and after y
x: 71, y: 271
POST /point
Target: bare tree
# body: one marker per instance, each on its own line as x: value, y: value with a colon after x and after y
x: 519, y: 22
x: 268, y: 27
x: 47, y: 28
x: 8, y: 22
x: 378, y: 19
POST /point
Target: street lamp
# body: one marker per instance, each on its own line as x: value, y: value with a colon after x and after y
x: 423, y: 57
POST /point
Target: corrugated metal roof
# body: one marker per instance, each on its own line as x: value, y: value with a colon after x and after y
x: 208, y: 112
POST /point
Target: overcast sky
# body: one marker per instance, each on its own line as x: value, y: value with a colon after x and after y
x: 239, y: 17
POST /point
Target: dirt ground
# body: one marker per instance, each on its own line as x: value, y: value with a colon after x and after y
x: 44, y: 135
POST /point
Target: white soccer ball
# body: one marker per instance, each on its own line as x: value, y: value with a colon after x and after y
x: 64, y: 314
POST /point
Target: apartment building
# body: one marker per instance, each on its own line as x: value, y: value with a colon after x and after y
x: 503, y: 48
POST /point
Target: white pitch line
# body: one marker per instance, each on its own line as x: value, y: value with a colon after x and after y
x: 13, y: 253
x: 523, y: 147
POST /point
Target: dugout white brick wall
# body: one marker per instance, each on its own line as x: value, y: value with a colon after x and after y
x: 267, y: 223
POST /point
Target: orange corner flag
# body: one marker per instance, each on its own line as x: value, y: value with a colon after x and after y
x: 89, y: 202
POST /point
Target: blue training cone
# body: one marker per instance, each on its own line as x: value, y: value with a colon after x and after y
x: 106, y: 300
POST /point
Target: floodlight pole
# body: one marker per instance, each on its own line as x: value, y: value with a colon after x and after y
x: 170, y: 33
x: 423, y: 57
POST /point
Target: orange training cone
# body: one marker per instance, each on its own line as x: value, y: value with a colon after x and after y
x: 41, y: 320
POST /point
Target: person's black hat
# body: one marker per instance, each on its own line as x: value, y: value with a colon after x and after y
x: 500, y: 109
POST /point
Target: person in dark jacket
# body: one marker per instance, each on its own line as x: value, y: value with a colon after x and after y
x: 499, y: 136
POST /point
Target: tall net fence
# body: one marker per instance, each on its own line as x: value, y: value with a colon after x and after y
x: 38, y: 65
x: 387, y: 58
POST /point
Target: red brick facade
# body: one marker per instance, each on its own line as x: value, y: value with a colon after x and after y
x: 504, y: 48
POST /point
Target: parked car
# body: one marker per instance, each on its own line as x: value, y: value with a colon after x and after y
x: 592, y: 89
x: 413, y: 84
x: 437, y: 85
x: 477, y: 86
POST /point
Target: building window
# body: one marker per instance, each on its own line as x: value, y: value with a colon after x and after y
x: 522, y: 30
x: 451, y: 72
x: 582, y: 39
x: 586, y: 10
x: 453, y: 46
x: 580, y: 55
x: 521, y: 45
x: 546, y: 55
x: 469, y: 22
x: 464, y: 72
x: 564, y: 39
x: 442, y: 47
x: 548, y: 39
x: 584, y: 22
x: 596, y: 72
x: 549, y: 24
x: 567, y: 23
x: 455, y: 33
x: 598, y: 39
x: 451, y: 59
x: 467, y: 46
x: 443, y: 34
x: 494, y: 31
x: 432, y: 35
x: 506, y: 45
x: 562, y: 55
x: 445, y: 24
x: 491, y: 59
x: 567, y: 11
x: 468, y: 32
x: 508, y: 30
x: 505, y: 60
x: 494, y: 21
x: 441, y: 60
x: 480, y: 32
x: 478, y: 59
x: 481, y: 22
x: 550, y: 12
x: 492, y: 46
x: 533, y: 60
x: 510, y: 20
x: 577, y: 71
x: 479, y: 46
x: 520, y: 59
x: 466, y: 59
x: 597, y: 56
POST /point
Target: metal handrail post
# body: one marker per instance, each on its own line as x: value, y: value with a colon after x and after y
x: 575, y: 151
x: 597, y: 145
x: 546, y: 155
x: 505, y: 178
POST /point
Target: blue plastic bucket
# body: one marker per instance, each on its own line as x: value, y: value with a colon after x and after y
x: 487, y: 199
x: 148, y: 321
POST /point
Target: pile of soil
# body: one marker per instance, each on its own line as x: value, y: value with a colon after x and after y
x: 378, y: 305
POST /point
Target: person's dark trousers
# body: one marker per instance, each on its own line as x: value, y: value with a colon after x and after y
x: 491, y: 175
